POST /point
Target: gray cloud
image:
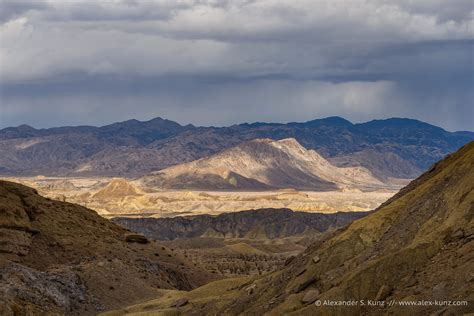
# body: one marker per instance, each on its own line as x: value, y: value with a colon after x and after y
x: 12, y: 9
x: 222, y: 62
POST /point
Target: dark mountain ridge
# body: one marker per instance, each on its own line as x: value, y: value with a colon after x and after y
x: 263, y: 223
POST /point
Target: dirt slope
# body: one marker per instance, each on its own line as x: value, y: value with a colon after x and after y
x: 59, y: 257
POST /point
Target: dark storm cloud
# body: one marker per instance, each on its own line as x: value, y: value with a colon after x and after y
x: 222, y: 62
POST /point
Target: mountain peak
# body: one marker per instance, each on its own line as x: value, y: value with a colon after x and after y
x: 265, y: 162
x: 331, y: 120
x: 117, y: 187
x: 25, y: 127
x: 290, y: 143
x: 397, y: 122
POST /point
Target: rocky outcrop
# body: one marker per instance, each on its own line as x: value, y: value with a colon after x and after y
x: 15, y: 225
x: 24, y: 290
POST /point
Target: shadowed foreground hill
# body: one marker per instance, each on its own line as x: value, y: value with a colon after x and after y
x: 61, y: 258
x: 419, y: 245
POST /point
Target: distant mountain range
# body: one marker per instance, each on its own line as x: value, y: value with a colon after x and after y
x: 263, y: 164
x: 400, y: 148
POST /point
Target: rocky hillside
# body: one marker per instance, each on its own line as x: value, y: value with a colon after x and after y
x: 418, y: 246
x: 255, y: 224
x: 400, y: 148
x: 263, y: 164
x: 60, y: 258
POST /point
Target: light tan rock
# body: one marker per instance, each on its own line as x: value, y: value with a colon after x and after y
x: 310, y: 296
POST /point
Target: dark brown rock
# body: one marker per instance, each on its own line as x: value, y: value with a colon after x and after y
x: 136, y: 238
x: 457, y: 234
x: 300, y: 271
x: 304, y: 285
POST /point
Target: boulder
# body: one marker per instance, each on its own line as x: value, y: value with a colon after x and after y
x: 316, y: 259
x: 310, y: 296
x: 140, y: 239
x: 180, y: 302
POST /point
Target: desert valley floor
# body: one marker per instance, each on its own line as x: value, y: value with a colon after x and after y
x: 112, y: 197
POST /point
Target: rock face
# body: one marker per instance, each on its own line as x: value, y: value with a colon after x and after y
x: 15, y: 225
x: 255, y: 224
x: 388, y: 148
x: 263, y: 164
x: 61, y: 258
x: 419, y: 245
x: 14, y: 241
x: 54, y: 290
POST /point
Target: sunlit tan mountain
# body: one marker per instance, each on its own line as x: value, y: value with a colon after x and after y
x: 264, y: 164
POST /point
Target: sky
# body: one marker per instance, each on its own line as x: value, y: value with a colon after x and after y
x: 224, y: 62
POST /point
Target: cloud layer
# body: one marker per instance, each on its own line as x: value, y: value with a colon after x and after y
x: 223, y: 62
